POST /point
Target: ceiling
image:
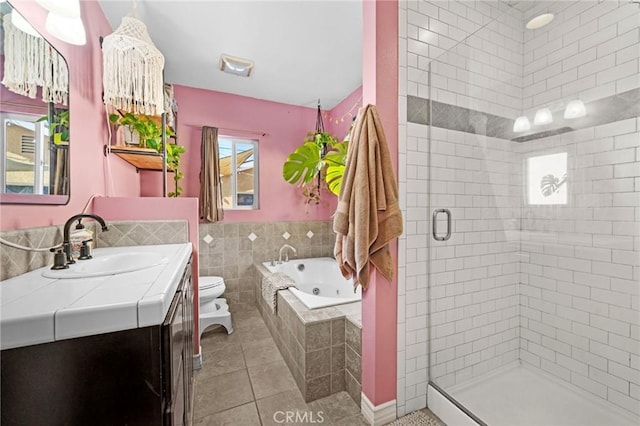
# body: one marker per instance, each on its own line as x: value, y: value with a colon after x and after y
x: 303, y: 50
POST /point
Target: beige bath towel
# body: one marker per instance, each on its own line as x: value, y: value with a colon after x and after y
x: 368, y: 216
x: 270, y: 285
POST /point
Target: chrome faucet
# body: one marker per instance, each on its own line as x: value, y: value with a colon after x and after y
x: 286, y: 254
x: 66, y: 244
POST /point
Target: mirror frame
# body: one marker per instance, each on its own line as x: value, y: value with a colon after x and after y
x: 41, y: 199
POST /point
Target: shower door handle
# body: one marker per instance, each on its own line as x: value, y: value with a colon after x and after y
x: 434, y: 224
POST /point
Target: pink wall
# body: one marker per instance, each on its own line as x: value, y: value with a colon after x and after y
x: 285, y: 126
x: 88, y: 130
x: 380, y: 301
x: 343, y: 113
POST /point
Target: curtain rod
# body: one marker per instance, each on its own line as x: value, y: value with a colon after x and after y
x: 253, y: 132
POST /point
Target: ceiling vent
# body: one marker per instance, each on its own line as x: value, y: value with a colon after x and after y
x: 236, y: 66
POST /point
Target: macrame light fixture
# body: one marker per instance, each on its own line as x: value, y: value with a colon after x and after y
x: 132, y: 78
x: 30, y: 62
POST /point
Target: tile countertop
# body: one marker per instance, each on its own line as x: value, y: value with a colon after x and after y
x: 35, y: 309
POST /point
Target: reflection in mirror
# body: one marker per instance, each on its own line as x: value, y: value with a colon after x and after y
x: 34, y: 117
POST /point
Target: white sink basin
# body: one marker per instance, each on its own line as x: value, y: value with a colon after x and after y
x: 107, y: 264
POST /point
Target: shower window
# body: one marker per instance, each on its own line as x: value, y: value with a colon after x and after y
x: 238, y: 171
x: 547, y: 179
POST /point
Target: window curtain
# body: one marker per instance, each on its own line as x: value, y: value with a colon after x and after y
x: 210, y: 182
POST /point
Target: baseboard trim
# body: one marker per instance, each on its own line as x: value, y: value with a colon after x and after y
x: 197, y: 360
x: 380, y: 414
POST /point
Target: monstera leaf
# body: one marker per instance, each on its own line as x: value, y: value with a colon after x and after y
x: 336, y: 160
x: 303, y: 164
x: 551, y: 184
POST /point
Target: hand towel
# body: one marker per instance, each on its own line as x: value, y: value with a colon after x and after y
x: 368, y: 215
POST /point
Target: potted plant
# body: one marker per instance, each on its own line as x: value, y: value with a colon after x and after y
x: 321, y: 157
x: 59, y: 126
x: 145, y: 129
x: 148, y: 132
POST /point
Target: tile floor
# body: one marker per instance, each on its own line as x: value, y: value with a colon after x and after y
x: 244, y: 381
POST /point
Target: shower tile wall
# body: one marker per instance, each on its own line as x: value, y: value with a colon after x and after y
x: 580, y: 291
x: 428, y: 29
x: 229, y: 250
x: 568, y: 321
x: 475, y: 274
x: 580, y: 278
x: 589, y: 51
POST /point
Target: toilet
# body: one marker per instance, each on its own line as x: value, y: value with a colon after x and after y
x: 213, y: 309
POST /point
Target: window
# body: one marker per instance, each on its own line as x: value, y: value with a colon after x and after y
x: 547, y: 179
x: 239, y: 172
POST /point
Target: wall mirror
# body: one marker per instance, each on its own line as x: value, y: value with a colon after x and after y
x: 34, y: 115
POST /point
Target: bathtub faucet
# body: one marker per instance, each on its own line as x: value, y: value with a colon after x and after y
x: 286, y: 254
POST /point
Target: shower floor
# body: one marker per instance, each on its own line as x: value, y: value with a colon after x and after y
x: 524, y: 396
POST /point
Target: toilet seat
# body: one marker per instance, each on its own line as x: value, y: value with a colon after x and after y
x: 210, y: 282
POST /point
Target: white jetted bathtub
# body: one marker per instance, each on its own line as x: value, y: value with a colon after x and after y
x: 319, y: 282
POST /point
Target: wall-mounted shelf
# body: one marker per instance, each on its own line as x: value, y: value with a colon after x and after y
x: 140, y: 158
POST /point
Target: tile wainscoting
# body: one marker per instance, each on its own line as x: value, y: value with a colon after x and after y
x: 229, y: 250
x: 14, y: 262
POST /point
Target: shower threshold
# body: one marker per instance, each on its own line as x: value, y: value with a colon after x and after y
x: 521, y: 395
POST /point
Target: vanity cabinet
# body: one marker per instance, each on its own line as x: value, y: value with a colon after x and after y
x: 141, y: 376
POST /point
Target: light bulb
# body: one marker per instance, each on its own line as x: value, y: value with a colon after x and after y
x: 543, y: 116
x: 575, y: 109
x: 521, y: 124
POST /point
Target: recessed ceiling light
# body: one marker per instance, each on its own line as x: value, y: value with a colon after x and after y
x: 540, y: 21
x: 236, y: 66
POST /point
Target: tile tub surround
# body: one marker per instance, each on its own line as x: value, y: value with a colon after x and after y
x: 229, y: 250
x: 353, y: 359
x: 14, y: 262
x: 314, y: 344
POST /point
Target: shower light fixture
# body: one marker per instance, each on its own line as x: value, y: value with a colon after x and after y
x: 575, y: 109
x: 236, y: 66
x: 543, y: 116
x: 521, y: 124
x: 540, y: 21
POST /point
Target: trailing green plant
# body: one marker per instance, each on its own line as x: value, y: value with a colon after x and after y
x: 59, y: 127
x: 174, y: 151
x: 322, y: 157
x: 149, y: 130
x: 150, y: 136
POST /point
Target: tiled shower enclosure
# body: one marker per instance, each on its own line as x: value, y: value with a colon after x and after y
x: 543, y: 264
